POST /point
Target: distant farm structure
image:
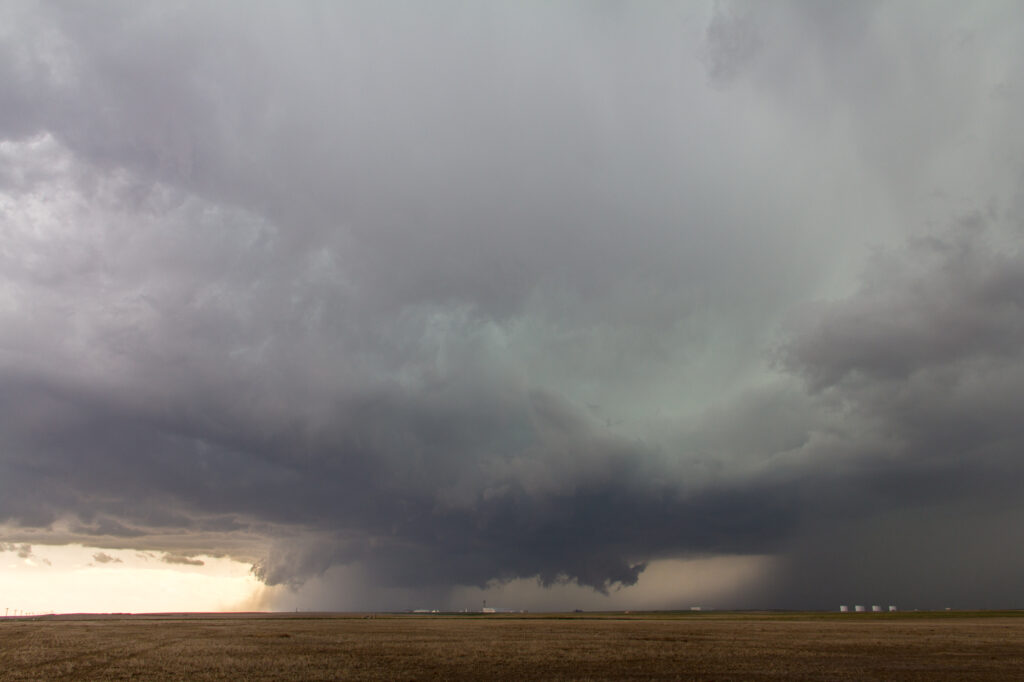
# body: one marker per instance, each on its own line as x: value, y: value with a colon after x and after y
x: 860, y: 608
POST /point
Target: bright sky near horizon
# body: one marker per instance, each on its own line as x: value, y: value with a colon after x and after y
x: 376, y: 304
x: 74, y: 579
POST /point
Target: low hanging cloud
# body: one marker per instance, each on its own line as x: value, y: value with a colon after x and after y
x: 104, y: 558
x: 182, y: 560
x: 23, y: 550
x: 395, y: 289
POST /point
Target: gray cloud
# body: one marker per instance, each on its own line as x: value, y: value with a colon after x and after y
x: 925, y: 360
x: 183, y: 560
x: 462, y: 294
x: 23, y: 550
x: 104, y: 558
x: 943, y: 305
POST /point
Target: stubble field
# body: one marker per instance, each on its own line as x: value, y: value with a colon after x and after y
x: 613, y: 646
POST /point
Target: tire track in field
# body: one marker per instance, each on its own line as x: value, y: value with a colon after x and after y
x: 86, y: 670
x: 50, y: 668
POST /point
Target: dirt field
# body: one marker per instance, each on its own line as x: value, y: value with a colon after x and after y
x: 662, y: 646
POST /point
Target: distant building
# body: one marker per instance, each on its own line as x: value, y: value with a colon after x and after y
x: 858, y: 608
x: 876, y: 608
x: 892, y: 609
x: 844, y: 608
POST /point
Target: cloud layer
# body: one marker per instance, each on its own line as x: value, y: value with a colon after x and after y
x: 460, y: 294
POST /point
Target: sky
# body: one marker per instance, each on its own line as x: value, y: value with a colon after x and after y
x: 388, y: 305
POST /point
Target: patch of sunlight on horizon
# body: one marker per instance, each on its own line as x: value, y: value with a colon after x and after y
x: 80, y: 579
x: 666, y: 584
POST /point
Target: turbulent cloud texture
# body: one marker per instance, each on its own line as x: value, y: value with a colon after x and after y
x: 463, y: 293
x: 104, y: 558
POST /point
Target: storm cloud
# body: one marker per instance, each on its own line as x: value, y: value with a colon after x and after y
x: 461, y: 294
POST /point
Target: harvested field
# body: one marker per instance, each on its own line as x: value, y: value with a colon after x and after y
x: 655, y: 646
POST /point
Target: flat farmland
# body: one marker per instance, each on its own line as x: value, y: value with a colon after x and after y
x: 976, y: 646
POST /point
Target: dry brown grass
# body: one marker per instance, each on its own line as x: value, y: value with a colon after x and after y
x: 750, y: 647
